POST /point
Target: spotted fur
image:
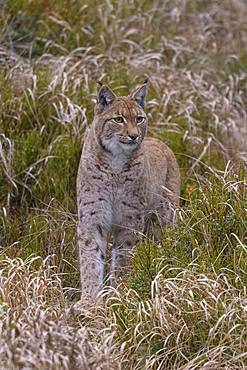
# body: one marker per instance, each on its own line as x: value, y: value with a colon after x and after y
x: 126, y: 182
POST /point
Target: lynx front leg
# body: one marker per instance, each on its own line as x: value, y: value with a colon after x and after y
x: 124, y: 242
x: 92, y: 249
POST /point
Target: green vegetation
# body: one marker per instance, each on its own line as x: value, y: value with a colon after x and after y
x: 184, y: 306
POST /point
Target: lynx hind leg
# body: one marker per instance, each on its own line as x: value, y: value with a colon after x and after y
x: 92, y: 249
x: 164, y: 216
x: 124, y: 242
x: 121, y: 256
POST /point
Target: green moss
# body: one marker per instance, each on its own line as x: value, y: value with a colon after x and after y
x: 236, y: 66
x: 58, y: 180
x: 27, y: 150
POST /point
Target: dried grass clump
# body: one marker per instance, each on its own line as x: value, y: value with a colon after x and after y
x: 191, y: 321
x: 37, y: 330
x: 18, y: 72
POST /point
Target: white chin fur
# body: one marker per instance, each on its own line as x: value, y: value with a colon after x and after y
x: 117, y: 148
x: 129, y: 147
x: 120, y: 153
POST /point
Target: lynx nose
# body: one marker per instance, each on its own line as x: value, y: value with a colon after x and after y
x: 133, y: 137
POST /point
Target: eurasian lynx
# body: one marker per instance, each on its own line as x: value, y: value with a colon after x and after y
x: 125, y: 183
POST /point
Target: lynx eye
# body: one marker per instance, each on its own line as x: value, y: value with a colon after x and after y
x: 118, y: 119
x: 140, y: 119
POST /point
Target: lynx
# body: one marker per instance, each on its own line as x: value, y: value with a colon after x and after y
x: 126, y: 182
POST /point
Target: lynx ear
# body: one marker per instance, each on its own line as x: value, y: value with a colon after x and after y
x: 105, y: 97
x: 140, y: 94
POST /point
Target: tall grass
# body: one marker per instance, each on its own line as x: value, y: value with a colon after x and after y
x: 184, y: 307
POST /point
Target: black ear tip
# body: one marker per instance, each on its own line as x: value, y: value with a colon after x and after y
x: 146, y: 80
x: 99, y: 82
x: 105, y: 96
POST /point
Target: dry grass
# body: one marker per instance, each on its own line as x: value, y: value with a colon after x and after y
x: 185, y: 305
x: 191, y: 321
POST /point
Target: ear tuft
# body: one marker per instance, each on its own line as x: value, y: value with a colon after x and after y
x: 105, y: 97
x: 140, y: 95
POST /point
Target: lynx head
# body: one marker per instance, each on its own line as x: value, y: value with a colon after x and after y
x: 120, y: 121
